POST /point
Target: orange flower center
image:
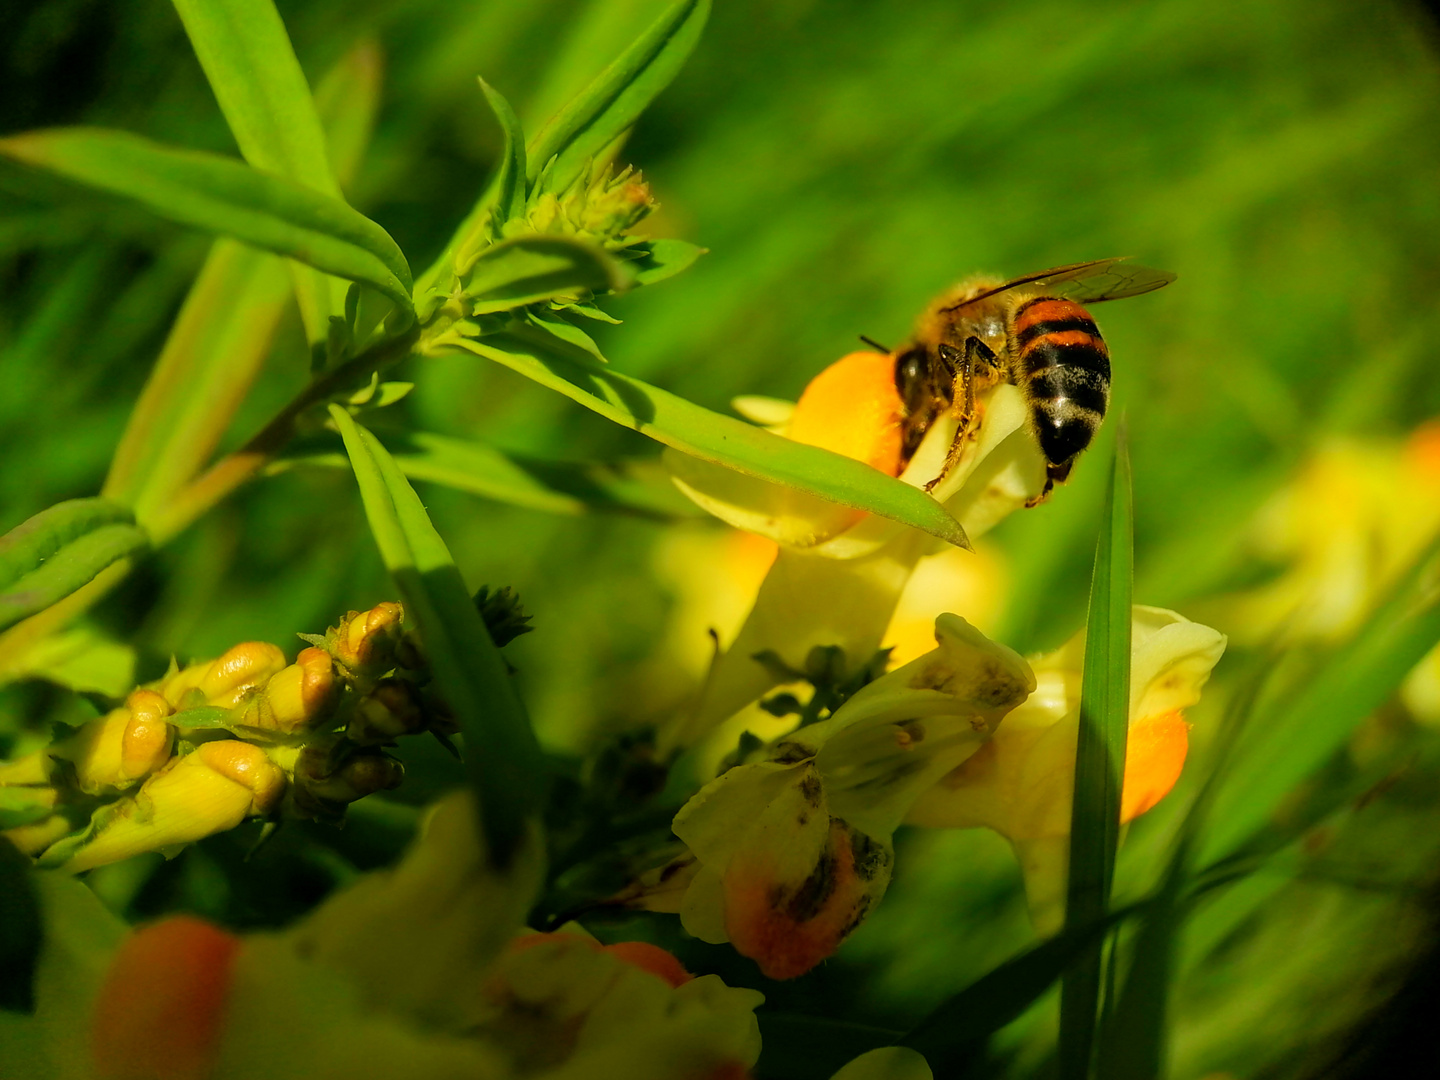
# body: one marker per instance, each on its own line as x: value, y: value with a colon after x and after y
x: 1154, y: 755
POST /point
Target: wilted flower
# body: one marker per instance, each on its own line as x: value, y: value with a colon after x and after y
x: 1021, y: 783
x: 793, y: 849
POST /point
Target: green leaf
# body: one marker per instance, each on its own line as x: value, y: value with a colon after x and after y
x: 68, y: 569
x: 550, y: 322
x: 532, y: 268
x: 210, y: 360
x: 347, y: 99
x: 722, y: 440
x: 502, y: 757
x: 20, y: 931
x: 247, y: 57
x: 953, y: 1031
x: 601, y: 112
x: 220, y: 195
x: 556, y: 487
x: 1306, y: 728
x: 661, y: 259
x: 203, y: 716
x: 20, y: 805
x: 510, y: 196
x: 35, y: 540
x: 1099, y: 761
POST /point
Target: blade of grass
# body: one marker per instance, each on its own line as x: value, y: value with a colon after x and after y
x: 502, y: 757
x: 220, y: 195
x: 251, y: 66
x: 1099, y: 762
x: 723, y: 440
x: 951, y: 1033
x: 1361, y: 674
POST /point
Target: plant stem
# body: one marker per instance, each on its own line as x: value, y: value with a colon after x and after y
x: 233, y: 470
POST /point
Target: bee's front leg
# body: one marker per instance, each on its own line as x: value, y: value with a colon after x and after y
x: 963, y: 363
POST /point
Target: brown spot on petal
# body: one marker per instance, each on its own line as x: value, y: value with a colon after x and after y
x: 788, y: 927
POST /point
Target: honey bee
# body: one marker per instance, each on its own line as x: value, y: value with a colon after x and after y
x: 1031, y: 332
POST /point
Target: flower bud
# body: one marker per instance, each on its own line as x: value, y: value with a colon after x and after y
x: 365, y: 641
x: 210, y: 790
x: 297, y: 698
x: 390, y: 710
x: 124, y: 745
x: 159, y: 1011
x: 227, y: 681
x: 323, y: 789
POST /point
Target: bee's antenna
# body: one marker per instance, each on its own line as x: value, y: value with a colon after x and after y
x: 873, y: 343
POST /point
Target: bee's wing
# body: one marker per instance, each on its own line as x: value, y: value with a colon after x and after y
x: 1088, y: 282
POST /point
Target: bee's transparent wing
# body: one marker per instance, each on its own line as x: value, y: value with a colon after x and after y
x: 1089, y: 282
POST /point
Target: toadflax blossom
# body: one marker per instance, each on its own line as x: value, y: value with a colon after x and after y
x: 839, y: 573
x: 421, y: 972
x: 791, y: 850
x: 1021, y: 783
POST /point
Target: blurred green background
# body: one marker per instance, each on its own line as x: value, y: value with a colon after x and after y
x: 843, y: 161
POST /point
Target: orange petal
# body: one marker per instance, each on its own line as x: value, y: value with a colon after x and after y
x: 158, y: 1015
x: 789, y: 927
x: 1154, y: 755
x: 853, y: 408
x: 651, y: 958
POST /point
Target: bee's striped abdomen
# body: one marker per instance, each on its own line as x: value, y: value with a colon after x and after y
x: 1063, y: 366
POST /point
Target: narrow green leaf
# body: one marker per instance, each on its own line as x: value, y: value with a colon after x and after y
x: 348, y: 99
x: 510, y: 196
x: 661, y: 259
x: 551, y: 322
x: 25, y: 547
x: 1099, y: 762
x: 502, y: 758
x: 69, y: 568
x: 1304, y: 731
x: 210, y: 360
x: 556, y: 487
x: 528, y: 269
x: 20, y: 805
x: 953, y: 1030
x: 601, y: 112
x: 20, y: 931
x: 723, y: 440
x: 247, y: 57
x: 1133, y: 1042
x: 219, y: 195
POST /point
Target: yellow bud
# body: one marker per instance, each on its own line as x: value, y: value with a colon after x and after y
x: 367, y: 639
x: 205, y: 792
x: 297, y: 698
x: 389, y: 711
x: 148, y: 737
x: 248, y: 766
x: 229, y: 680
x: 124, y: 745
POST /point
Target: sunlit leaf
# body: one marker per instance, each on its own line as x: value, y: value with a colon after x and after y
x: 502, y: 758
x: 723, y: 440
x: 510, y: 196
x: 219, y: 195
x: 661, y: 259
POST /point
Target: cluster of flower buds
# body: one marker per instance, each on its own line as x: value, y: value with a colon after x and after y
x: 247, y: 735
x: 599, y: 205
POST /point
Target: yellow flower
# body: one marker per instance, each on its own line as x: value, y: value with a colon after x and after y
x: 794, y: 849
x: 210, y: 790
x: 1021, y: 783
x: 839, y: 574
x: 118, y: 750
